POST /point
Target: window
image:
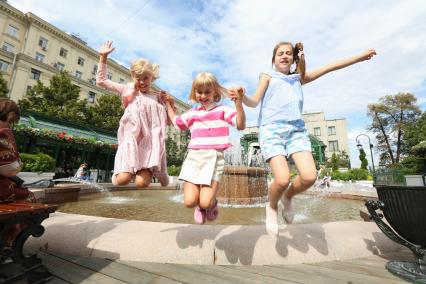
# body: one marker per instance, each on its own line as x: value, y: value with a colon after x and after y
x: 13, y: 31
x: 39, y: 57
x: 8, y: 47
x: 78, y: 74
x: 42, y: 42
x: 91, y: 98
x: 317, y: 131
x: 59, y: 66
x: 333, y: 146
x: 80, y: 61
x: 331, y: 130
x: 3, y: 66
x: 121, y: 81
x: 95, y: 69
x: 109, y: 76
x: 92, y: 81
x: 35, y: 74
x: 63, y: 52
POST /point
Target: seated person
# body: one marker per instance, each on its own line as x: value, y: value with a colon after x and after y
x: 326, y: 180
x: 10, y: 163
x: 82, y: 173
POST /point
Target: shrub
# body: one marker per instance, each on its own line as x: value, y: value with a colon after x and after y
x: 174, y: 170
x: 352, y: 174
x: 37, y: 162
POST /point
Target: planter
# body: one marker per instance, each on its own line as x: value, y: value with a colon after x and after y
x: 30, y: 177
x: 405, y: 211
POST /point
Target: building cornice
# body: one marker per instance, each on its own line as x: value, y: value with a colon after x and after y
x: 34, y: 19
x: 4, y: 6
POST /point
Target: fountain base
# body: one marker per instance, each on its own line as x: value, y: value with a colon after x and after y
x: 243, y: 186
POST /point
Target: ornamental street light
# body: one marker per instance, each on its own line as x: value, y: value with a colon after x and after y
x: 371, y: 149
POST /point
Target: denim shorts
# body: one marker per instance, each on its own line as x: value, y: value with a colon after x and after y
x: 283, y: 138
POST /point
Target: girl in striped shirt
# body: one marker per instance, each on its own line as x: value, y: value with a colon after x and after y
x: 209, y: 125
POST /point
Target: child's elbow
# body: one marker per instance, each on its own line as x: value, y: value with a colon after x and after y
x: 241, y: 126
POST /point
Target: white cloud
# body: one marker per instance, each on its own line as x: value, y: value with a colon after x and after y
x: 234, y: 39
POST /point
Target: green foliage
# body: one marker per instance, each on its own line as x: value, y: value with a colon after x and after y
x: 352, y: 174
x: 415, y: 139
x: 362, y: 158
x: 174, y: 170
x: 174, y: 155
x: 334, y: 162
x: 37, y: 162
x: 60, y: 99
x: 3, y: 87
x: 106, y: 113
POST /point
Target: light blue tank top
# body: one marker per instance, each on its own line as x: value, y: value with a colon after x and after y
x: 283, y: 99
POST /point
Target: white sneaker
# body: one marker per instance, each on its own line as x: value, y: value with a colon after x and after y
x: 288, y: 213
x: 271, y: 221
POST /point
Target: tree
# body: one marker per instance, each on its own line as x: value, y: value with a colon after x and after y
x: 364, y: 162
x: 415, y: 137
x: 106, y: 113
x: 391, y: 118
x: 60, y: 99
x: 175, y: 156
x: 3, y: 87
x: 334, y: 162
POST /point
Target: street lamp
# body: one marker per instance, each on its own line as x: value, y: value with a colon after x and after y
x: 371, y: 149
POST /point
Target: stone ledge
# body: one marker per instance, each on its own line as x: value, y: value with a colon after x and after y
x: 91, y: 236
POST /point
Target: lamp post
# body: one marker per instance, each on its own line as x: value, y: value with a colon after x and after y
x: 371, y: 149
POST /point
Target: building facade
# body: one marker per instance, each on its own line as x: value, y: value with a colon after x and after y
x: 332, y: 132
x: 33, y: 49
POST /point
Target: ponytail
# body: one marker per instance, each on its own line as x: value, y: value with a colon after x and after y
x: 300, y: 62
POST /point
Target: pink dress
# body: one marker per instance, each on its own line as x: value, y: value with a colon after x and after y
x: 142, y: 131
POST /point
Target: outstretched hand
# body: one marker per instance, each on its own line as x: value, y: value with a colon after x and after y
x: 368, y: 54
x: 167, y: 99
x: 236, y: 94
x: 106, y: 48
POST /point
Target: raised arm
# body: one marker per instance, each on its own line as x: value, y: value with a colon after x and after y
x: 241, y: 115
x: 339, y: 64
x: 101, y: 77
x: 253, y: 100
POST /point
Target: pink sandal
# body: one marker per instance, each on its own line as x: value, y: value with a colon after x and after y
x: 199, y: 215
x: 212, y: 213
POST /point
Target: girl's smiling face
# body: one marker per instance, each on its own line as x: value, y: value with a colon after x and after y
x: 205, y: 96
x: 284, y: 58
x: 144, y: 81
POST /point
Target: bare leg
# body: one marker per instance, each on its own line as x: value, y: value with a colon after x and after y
x: 208, y: 195
x: 191, y: 195
x: 307, y: 173
x: 123, y: 178
x: 281, y: 174
x: 143, y: 178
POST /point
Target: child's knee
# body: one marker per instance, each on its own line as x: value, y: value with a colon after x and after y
x: 123, y: 178
x: 282, y: 183
x: 206, y: 203
x: 141, y: 182
x: 190, y: 202
x: 308, y: 179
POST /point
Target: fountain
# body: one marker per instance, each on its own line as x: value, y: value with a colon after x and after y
x: 243, y: 185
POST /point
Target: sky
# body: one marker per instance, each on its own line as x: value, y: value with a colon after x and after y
x: 234, y: 40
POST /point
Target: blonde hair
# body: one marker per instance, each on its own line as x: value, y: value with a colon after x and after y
x: 142, y: 65
x: 207, y: 80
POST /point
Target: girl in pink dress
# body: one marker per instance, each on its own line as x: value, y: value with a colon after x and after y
x: 141, y: 152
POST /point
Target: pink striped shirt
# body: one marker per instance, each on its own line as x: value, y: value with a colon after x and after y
x: 209, y: 127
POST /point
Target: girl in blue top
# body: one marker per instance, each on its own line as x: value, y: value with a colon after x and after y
x: 282, y: 132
